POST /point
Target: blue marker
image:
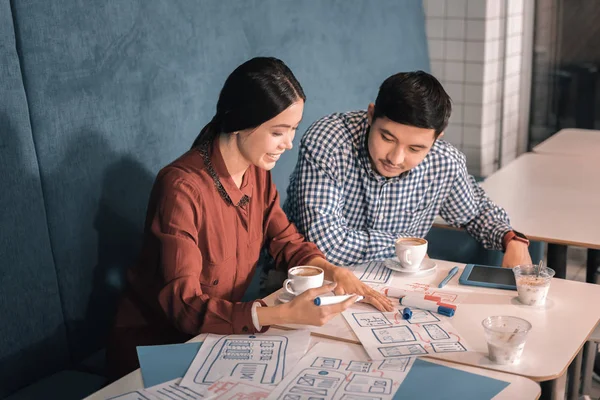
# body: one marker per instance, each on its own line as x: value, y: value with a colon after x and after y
x: 406, y: 313
x: 452, y: 272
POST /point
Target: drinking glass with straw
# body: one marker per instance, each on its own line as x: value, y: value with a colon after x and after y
x: 505, y: 336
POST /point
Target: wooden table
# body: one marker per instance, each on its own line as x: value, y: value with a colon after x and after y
x: 519, y: 388
x: 558, y: 334
x: 572, y: 142
x: 552, y: 199
x: 582, y: 143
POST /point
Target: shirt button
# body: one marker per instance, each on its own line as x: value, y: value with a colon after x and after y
x: 381, y: 217
x: 216, y: 282
x: 245, y: 329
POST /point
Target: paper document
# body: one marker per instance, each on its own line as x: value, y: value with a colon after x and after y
x: 254, y: 359
x: 228, y: 390
x: 373, y: 272
x: 425, y: 288
x: 387, y: 335
x: 223, y: 390
x: 342, y: 371
x: 165, y: 391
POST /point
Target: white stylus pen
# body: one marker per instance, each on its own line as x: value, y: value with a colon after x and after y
x: 328, y: 300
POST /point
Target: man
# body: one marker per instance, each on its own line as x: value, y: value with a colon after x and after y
x: 366, y: 178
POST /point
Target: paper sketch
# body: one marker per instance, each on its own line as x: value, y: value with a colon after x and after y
x: 349, y: 375
x: 165, y: 391
x: 387, y: 335
x: 425, y: 288
x: 373, y: 272
x: 371, y: 319
x: 228, y: 390
x: 255, y: 359
x: 173, y: 391
x: 422, y: 316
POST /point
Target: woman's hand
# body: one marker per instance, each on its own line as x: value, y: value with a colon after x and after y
x: 347, y: 283
x: 302, y: 309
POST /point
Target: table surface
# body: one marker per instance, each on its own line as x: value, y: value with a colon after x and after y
x: 559, y: 330
x: 552, y: 199
x: 572, y: 142
x: 519, y: 387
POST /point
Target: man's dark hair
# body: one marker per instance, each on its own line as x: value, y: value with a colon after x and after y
x: 255, y: 92
x: 416, y: 99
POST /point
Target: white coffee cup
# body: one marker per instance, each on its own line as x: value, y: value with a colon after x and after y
x: 411, y: 251
x: 302, y: 278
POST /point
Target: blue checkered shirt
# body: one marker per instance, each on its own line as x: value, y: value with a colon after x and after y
x: 355, y: 215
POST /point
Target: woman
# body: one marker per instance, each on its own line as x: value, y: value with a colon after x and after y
x: 210, y: 213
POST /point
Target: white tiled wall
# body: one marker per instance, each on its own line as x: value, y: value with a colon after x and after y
x: 475, y: 49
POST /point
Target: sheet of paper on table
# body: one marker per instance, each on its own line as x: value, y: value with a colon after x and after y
x: 387, y: 336
x: 342, y: 371
x: 373, y: 273
x: 259, y: 359
x: 225, y: 390
x: 165, y: 391
x: 424, y: 288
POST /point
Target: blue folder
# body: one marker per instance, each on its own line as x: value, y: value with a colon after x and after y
x: 427, y: 380
x: 164, y: 363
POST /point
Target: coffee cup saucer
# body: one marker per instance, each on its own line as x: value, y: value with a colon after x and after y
x: 427, y: 266
x: 285, y: 297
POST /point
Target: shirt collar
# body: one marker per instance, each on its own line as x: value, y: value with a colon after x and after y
x: 218, y: 164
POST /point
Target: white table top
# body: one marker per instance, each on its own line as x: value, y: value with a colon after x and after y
x: 558, y: 332
x: 550, y: 198
x: 572, y: 142
x: 519, y: 387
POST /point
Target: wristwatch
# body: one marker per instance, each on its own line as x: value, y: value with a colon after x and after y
x: 514, y: 235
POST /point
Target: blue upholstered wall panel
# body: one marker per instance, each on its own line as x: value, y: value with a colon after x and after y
x: 118, y: 89
x: 32, y: 333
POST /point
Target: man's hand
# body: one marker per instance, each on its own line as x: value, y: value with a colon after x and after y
x: 348, y: 283
x: 517, y: 253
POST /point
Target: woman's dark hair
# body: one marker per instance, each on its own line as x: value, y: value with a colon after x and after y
x: 415, y: 99
x: 255, y: 92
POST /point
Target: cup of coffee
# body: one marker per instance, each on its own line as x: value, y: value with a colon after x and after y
x: 302, y: 278
x: 411, y: 251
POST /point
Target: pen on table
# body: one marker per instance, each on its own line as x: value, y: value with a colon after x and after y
x: 328, y: 300
x: 452, y: 272
x: 395, y: 292
x: 427, y: 305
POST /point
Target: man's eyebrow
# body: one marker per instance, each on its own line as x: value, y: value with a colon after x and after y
x: 418, y: 145
x: 383, y: 130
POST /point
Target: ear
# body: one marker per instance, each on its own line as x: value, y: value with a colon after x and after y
x: 440, y: 135
x: 370, y: 113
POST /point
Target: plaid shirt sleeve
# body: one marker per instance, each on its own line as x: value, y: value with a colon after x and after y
x: 468, y: 206
x: 318, y: 209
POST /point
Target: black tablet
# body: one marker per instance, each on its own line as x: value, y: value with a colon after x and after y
x: 488, y: 276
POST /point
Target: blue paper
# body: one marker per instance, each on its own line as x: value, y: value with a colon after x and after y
x: 164, y: 363
x: 427, y: 380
